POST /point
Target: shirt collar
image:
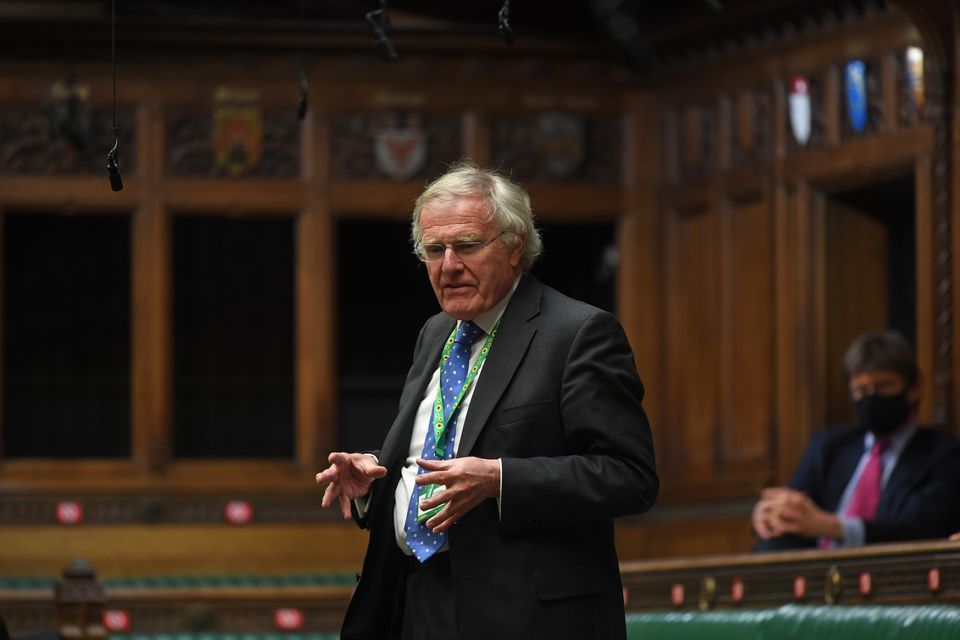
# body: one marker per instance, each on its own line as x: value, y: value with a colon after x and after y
x: 488, y: 319
x: 897, y: 442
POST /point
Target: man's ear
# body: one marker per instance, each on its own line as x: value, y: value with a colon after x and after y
x: 516, y: 254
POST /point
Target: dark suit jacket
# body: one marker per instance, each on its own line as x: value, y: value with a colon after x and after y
x: 559, y: 401
x: 920, y: 500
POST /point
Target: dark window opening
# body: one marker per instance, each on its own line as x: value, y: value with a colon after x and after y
x: 233, y: 337
x: 66, y: 336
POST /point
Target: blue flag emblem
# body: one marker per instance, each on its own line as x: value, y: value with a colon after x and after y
x: 855, y: 76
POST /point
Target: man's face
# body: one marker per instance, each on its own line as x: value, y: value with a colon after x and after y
x: 882, y: 382
x: 466, y: 287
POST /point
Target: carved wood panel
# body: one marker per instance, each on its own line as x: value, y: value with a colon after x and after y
x: 692, y: 380
x: 751, y: 127
x: 193, y: 137
x: 396, y: 145
x: 47, y: 141
x: 553, y: 146
x: 696, y: 143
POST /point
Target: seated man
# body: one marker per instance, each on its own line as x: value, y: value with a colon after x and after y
x: 885, y: 480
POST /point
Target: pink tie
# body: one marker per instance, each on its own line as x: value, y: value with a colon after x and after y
x: 866, y: 495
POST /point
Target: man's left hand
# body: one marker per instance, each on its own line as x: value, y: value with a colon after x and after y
x: 468, y: 482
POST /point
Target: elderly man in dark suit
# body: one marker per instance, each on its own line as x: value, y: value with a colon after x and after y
x: 520, y: 437
x: 885, y: 480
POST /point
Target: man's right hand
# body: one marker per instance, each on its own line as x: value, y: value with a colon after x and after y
x: 348, y: 477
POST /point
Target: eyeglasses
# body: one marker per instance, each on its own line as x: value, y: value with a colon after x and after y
x: 434, y: 252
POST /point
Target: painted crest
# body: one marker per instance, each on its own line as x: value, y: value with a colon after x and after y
x: 855, y: 75
x: 560, y: 137
x: 800, y: 113
x: 237, y: 130
x: 400, y: 147
x: 71, y: 121
x: 915, y: 80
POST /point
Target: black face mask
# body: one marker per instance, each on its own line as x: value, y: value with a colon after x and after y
x: 882, y: 414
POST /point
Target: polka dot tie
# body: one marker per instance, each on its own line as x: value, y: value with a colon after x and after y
x: 421, y: 540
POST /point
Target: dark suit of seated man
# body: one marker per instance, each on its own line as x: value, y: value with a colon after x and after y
x: 885, y: 480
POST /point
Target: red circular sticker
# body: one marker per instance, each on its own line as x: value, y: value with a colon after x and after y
x: 288, y: 619
x: 238, y: 512
x: 799, y: 587
x: 736, y: 590
x: 69, y: 512
x: 116, y: 620
x: 676, y: 594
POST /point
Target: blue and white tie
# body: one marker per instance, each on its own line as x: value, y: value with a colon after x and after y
x: 421, y: 540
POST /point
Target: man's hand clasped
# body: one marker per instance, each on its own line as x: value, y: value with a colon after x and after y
x: 782, y: 510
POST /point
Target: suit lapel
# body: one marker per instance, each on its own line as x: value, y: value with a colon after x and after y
x: 509, y: 347
x: 847, y: 459
x: 914, y: 459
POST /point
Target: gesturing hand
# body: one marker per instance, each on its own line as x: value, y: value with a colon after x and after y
x: 468, y: 482
x: 349, y: 476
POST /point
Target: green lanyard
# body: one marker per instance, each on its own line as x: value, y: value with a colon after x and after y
x: 439, y: 422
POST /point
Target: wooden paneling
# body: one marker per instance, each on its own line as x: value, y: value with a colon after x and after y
x: 183, y: 550
x: 692, y: 358
x: 856, y: 295
x: 748, y: 354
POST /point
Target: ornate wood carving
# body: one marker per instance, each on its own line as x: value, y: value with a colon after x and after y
x: 696, y: 142
x: 752, y: 127
x: 191, y: 152
x: 33, y: 141
x: 552, y: 146
x: 398, y: 136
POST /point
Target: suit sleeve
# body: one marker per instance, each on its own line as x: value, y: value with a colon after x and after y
x: 609, y: 468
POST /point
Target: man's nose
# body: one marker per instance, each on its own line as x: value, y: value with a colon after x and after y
x: 451, y: 262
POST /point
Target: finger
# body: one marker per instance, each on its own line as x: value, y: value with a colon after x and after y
x: 435, y: 500
x: 443, y: 520
x: 373, y: 470
x: 771, y: 493
x: 345, y: 506
x: 327, y: 475
x: 434, y: 465
x: 434, y: 477
x: 331, y: 492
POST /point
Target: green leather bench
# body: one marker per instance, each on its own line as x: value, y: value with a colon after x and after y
x: 795, y: 622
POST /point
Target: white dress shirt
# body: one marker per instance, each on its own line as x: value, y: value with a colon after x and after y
x: 424, y: 420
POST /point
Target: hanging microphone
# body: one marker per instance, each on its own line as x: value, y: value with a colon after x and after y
x: 113, y: 165
x: 503, y: 22
x: 304, y: 102
x: 379, y: 21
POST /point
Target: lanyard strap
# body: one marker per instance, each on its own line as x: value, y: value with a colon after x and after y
x: 440, y: 421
